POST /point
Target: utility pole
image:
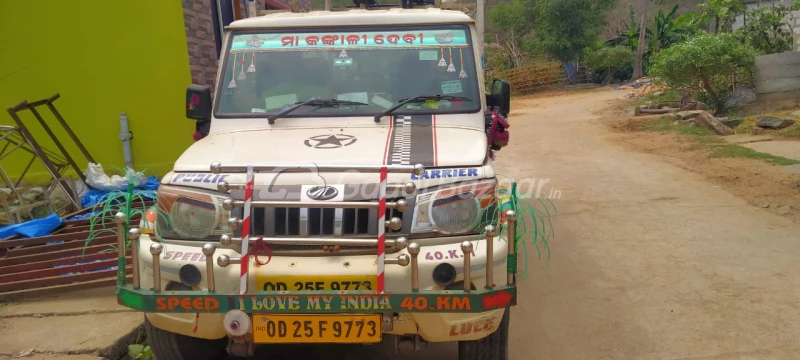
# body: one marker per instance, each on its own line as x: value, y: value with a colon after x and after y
x: 479, y: 20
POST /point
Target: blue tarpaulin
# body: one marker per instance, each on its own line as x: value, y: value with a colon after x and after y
x: 33, y: 228
x: 572, y: 70
x: 45, y: 226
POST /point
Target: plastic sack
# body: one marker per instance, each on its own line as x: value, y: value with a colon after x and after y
x: 97, y: 178
x: 32, y: 228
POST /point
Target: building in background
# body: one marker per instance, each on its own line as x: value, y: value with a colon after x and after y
x: 110, y: 57
x: 202, y: 19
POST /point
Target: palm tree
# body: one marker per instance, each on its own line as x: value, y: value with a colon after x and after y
x: 630, y: 32
x: 668, y: 30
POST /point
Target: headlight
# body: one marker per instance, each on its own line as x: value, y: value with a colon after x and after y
x: 456, y: 210
x: 188, y: 214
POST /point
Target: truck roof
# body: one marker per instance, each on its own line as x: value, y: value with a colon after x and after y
x: 355, y: 17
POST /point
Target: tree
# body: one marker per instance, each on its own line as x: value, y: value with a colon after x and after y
x: 668, y: 29
x: 629, y: 34
x: 767, y: 29
x: 703, y: 64
x: 610, y: 58
x: 511, y: 24
x: 723, y: 12
x: 565, y: 28
x: 637, y: 67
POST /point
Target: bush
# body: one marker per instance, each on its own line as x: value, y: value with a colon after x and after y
x: 610, y: 59
x: 768, y: 30
x: 704, y: 63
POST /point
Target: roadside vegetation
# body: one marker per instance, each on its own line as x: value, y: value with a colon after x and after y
x: 704, y: 140
x: 689, y: 46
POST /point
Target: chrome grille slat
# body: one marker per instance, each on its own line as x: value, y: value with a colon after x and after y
x: 303, y: 222
x: 372, y: 223
x: 337, y: 222
x: 269, y: 222
x: 355, y: 224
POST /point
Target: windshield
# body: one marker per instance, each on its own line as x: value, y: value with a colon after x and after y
x: 267, y: 72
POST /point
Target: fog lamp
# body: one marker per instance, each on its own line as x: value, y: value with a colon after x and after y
x: 189, y: 275
x: 444, y: 274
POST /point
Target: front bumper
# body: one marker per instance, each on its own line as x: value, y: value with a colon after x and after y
x: 433, y: 312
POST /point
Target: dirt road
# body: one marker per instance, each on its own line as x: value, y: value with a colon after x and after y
x: 649, y: 261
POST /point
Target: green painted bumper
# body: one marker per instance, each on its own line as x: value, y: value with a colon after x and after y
x: 318, y: 302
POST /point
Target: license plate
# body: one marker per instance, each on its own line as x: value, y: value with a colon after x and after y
x: 307, y: 283
x: 316, y: 328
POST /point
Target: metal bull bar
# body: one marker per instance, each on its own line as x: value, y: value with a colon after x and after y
x: 381, y: 205
x: 490, y: 294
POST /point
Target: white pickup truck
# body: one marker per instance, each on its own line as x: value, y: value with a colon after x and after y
x: 344, y: 194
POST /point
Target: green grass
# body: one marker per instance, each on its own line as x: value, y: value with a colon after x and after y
x: 702, y: 139
x: 736, y: 151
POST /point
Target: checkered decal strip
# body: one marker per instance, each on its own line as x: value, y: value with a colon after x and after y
x: 411, y: 141
x: 401, y: 151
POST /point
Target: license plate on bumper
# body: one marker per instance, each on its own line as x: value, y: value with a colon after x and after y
x: 316, y: 328
x: 317, y: 283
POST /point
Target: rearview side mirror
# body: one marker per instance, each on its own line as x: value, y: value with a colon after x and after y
x: 198, y: 102
x: 500, y: 96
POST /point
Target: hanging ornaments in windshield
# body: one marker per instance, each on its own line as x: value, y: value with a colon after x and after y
x: 462, y: 74
x: 451, y: 67
x: 252, y: 67
x: 242, y: 76
x: 232, y: 84
x: 442, y: 61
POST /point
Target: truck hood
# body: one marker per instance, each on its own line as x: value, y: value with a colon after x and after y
x: 403, y: 143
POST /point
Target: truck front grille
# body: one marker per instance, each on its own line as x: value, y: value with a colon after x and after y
x: 316, y: 222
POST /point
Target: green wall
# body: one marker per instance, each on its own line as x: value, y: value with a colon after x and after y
x: 103, y: 57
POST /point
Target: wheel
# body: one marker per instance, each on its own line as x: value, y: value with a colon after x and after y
x: 171, y: 346
x: 492, y: 347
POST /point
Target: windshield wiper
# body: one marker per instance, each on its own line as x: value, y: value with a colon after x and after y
x: 416, y: 99
x: 318, y: 102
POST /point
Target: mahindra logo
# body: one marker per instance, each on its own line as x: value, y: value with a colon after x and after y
x: 322, y: 192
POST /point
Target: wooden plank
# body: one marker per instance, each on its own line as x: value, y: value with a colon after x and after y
x: 80, y: 235
x: 59, y: 280
x: 73, y: 226
x: 43, y: 273
x: 78, y: 228
x: 96, y: 249
x: 38, y: 249
x: 110, y: 283
x: 51, y: 263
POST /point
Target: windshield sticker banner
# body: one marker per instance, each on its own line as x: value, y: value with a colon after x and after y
x: 305, y: 41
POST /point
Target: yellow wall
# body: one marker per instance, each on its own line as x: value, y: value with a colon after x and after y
x: 103, y: 57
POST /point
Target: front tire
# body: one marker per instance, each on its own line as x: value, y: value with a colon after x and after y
x: 171, y: 346
x: 492, y: 347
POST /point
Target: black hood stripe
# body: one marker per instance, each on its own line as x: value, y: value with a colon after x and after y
x: 411, y: 141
